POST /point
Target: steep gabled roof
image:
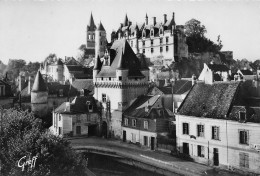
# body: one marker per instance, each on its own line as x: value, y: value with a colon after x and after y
x: 101, y: 27
x: 179, y: 87
x: 209, y: 100
x: 98, y: 63
x: 39, y: 84
x: 218, y: 67
x: 246, y: 72
x: 122, y: 57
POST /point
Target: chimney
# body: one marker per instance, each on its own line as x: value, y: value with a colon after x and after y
x: 154, y: 21
x: 165, y: 18
x: 29, y: 85
x: 173, y: 16
x: 193, y: 79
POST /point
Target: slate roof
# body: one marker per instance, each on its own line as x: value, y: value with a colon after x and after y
x: 247, y: 72
x: 179, y: 87
x: 218, y: 67
x: 98, y: 63
x: 211, y: 101
x: 91, y: 26
x: 101, y: 27
x: 137, y: 109
x: 78, y: 106
x: 122, y: 57
x: 72, y: 61
x: 75, y: 68
x: 39, y: 84
x: 83, y: 84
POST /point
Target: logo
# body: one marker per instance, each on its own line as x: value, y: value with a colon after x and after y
x: 27, y: 162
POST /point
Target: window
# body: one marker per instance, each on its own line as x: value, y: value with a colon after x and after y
x: 120, y: 78
x: 151, y: 32
x: 167, y: 39
x: 201, y: 151
x: 126, y: 121
x: 143, y: 51
x: 161, y: 31
x: 104, y: 97
x: 151, y: 42
x: 151, y: 50
x: 243, y: 137
x: 59, y: 117
x: 167, y: 48
x: 89, y: 36
x: 59, y: 130
x: 144, y: 34
x: 243, y: 159
x: 133, y: 123
x: 161, y: 40
x: 242, y: 116
x: 215, y: 132
x: 200, y: 129
x: 185, y: 128
x: 90, y: 107
x: 143, y: 43
x: 146, y: 125
x: 109, y: 78
x: 101, y: 78
x: 161, y: 49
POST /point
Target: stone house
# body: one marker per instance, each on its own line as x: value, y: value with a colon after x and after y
x: 246, y: 74
x: 219, y: 124
x: 214, y: 72
x: 145, y: 120
x: 80, y: 117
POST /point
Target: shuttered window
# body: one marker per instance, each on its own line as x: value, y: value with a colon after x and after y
x: 243, y: 159
x: 243, y: 137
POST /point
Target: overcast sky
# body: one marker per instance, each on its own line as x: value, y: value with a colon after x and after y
x: 30, y: 30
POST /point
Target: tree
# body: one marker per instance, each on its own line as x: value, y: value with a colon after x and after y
x: 23, y: 137
x: 193, y: 27
x: 51, y: 58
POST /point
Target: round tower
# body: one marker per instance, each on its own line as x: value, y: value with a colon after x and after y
x: 100, y: 41
x: 39, y: 96
x: 58, y: 75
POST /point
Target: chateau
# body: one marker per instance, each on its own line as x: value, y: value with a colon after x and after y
x: 163, y: 40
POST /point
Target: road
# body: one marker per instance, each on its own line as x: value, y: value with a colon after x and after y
x: 154, y: 158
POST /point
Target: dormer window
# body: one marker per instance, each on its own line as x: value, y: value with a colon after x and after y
x: 161, y: 31
x: 143, y: 43
x: 143, y: 34
x: 151, y: 42
x: 167, y: 39
x: 89, y: 36
x: 161, y: 40
x: 242, y: 116
x: 82, y: 92
x: 151, y: 32
x: 61, y: 92
x: 90, y: 106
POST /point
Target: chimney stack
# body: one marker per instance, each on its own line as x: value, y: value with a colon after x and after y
x: 29, y: 85
x: 154, y: 21
x: 165, y: 18
x: 173, y: 16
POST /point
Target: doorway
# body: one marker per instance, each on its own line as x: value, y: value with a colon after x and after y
x: 78, y: 130
x: 215, y: 157
x: 186, y: 148
x: 152, y: 143
x: 124, y: 136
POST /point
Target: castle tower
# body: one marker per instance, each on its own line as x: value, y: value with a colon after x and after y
x: 39, y: 96
x: 91, y: 27
x: 100, y: 41
x: 58, y: 74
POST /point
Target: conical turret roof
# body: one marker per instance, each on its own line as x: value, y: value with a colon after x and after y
x: 91, y: 25
x: 39, y: 84
x: 100, y: 27
x: 126, y: 21
x: 98, y: 64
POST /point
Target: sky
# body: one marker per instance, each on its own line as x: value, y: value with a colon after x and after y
x: 32, y: 29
